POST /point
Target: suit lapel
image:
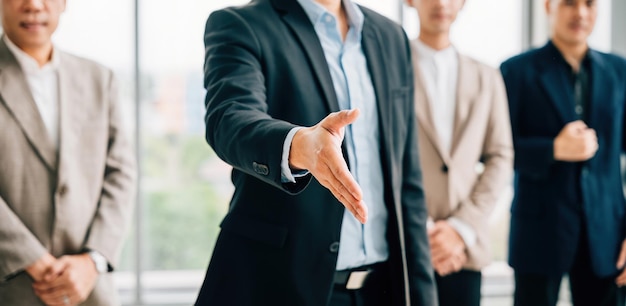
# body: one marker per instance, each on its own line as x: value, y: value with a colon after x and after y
x: 16, y: 95
x: 424, y: 112
x: 69, y: 109
x: 372, y: 51
x: 467, y: 89
x: 375, y: 61
x: 295, y: 17
x: 555, y: 85
x: 599, y: 79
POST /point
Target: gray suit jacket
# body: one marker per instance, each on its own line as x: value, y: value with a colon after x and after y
x: 453, y: 184
x: 64, y: 202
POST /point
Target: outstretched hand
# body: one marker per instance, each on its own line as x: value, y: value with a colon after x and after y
x: 318, y: 150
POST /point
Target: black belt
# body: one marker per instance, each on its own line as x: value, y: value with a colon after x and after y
x: 354, y: 278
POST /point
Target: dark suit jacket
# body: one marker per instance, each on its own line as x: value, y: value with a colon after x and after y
x: 265, y: 73
x: 555, y: 200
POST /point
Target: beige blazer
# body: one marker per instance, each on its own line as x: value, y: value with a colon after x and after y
x: 453, y: 182
x: 62, y: 202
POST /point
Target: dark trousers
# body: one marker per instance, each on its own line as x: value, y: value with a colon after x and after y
x: 459, y: 289
x: 586, y: 289
x: 376, y: 291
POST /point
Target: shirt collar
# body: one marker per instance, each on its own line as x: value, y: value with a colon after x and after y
x: 425, y: 51
x: 586, y: 61
x: 316, y: 12
x: 28, y: 64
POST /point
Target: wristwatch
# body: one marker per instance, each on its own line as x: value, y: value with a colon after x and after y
x: 102, y: 265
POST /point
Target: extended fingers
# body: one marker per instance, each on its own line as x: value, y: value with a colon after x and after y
x: 357, y: 208
x: 333, y: 173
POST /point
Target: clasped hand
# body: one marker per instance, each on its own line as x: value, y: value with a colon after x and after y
x: 67, y: 280
x: 447, y: 248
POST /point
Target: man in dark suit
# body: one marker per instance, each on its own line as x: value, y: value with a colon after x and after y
x: 281, y: 78
x: 567, y: 117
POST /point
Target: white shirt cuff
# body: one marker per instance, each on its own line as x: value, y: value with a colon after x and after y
x: 287, y: 175
x: 465, y: 231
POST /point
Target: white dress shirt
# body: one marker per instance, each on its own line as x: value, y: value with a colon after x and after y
x: 360, y: 244
x: 440, y: 71
x: 44, y: 87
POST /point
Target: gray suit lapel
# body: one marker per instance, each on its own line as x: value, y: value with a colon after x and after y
x: 372, y: 51
x: 69, y: 110
x: 468, y: 87
x: 424, y: 112
x: 16, y: 95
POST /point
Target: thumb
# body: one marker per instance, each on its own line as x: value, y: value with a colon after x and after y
x: 338, y: 120
x: 621, y: 260
x: 577, y: 126
x: 433, y: 230
x: 54, y: 270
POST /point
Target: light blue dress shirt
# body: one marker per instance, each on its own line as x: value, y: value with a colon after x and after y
x: 360, y: 244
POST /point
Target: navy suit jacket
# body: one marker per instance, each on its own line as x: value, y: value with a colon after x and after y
x: 265, y: 73
x: 554, y: 200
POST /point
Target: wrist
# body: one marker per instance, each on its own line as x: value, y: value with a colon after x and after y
x: 294, y: 152
x: 100, y: 263
x: 37, y: 269
x: 555, y: 150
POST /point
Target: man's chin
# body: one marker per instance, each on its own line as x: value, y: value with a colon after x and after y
x: 574, y: 39
x: 33, y: 42
x: 579, y: 40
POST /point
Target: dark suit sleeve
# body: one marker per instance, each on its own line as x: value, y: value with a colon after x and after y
x: 533, y: 155
x: 624, y: 132
x: 238, y: 127
x: 624, y: 105
x: 421, y: 278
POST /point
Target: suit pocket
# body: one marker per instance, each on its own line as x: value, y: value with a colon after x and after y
x: 399, y: 108
x: 401, y: 101
x: 254, y: 229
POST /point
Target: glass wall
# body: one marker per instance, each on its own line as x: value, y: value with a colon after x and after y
x: 185, y: 187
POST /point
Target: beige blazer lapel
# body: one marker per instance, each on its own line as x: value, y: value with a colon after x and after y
x: 468, y: 85
x: 71, y: 111
x: 16, y: 95
x: 424, y: 112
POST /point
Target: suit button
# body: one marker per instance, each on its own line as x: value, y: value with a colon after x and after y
x: 579, y: 110
x: 444, y: 168
x: 260, y: 168
x: 334, y: 247
x: 585, y: 171
x: 63, y: 190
